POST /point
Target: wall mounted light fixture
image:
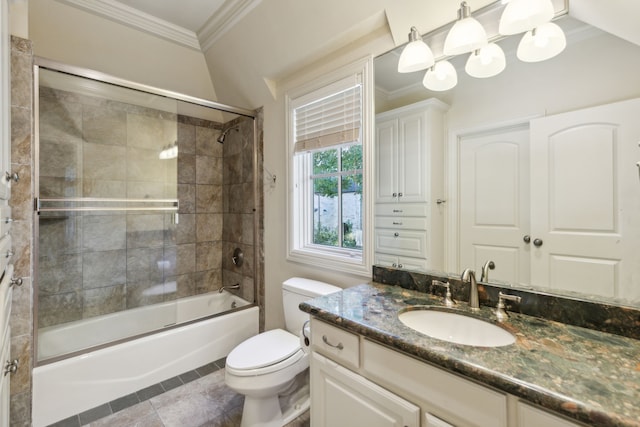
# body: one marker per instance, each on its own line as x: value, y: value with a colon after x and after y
x: 542, y: 40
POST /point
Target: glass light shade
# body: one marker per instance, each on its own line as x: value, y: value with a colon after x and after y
x: 416, y: 55
x: 466, y: 35
x: 486, y: 62
x: 524, y: 15
x: 541, y: 43
x: 442, y: 76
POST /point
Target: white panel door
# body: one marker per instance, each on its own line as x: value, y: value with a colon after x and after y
x: 585, y: 184
x: 342, y: 398
x: 494, y: 202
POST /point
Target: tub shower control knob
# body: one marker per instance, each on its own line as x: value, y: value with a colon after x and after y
x: 12, y: 176
x: 11, y: 367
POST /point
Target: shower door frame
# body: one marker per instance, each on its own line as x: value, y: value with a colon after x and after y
x: 48, y: 64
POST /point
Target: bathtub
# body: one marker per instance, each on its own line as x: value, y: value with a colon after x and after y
x: 73, y: 385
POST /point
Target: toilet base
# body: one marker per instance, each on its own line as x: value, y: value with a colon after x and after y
x: 279, y: 410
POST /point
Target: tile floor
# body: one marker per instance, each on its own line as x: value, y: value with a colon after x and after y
x: 197, y: 398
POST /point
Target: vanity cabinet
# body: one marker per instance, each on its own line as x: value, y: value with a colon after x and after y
x: 409, y: 182
x: 385, y: 387
x: 355, y: 381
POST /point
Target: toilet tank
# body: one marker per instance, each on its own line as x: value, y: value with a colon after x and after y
x: 297, y: 290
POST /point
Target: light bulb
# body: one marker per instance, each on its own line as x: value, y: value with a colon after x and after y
x: 416, y: 55
x: 466, y: 35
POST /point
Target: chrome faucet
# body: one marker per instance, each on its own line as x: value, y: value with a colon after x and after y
x: 470, y: 275
x: 489, y: 265
x: 224, y: 288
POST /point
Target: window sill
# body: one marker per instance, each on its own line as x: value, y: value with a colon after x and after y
x: 341, y: 261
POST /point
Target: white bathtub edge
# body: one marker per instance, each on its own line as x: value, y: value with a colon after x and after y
x: 74, y: 385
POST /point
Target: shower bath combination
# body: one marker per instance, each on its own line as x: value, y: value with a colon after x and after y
x: 108, y: 251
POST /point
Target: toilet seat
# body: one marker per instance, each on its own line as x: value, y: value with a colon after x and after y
x: 264, y: 353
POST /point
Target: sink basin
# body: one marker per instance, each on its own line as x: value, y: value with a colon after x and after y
x: 456, y: 328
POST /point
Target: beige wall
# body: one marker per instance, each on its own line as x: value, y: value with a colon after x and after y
x: 71, y: 36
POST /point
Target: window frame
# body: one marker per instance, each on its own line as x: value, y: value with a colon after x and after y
x: 300, y: 246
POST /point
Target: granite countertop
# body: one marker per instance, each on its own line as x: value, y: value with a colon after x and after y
x: 587, y: 375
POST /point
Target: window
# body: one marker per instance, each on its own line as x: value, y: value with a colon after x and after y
x: 327, y: 152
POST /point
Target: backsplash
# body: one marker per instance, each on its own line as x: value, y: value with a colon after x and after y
x: 613, y: 319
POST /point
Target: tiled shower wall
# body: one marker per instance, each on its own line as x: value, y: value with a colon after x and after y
x: 22, y: 149
x: 99, y: 262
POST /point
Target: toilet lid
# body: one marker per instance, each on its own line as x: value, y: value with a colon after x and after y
x: 263, y: 350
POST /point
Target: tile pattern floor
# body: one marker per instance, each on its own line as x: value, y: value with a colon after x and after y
x: 197, y: 398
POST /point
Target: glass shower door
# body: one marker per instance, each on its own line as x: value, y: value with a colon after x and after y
x: 106, y: 205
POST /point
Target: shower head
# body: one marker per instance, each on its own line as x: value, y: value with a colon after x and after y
x: 224, y: 133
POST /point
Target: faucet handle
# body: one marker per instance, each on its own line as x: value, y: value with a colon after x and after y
x: 500, y: 311
x: 447, y: 300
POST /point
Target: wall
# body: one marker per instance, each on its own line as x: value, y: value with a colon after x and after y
x: 71, y: 36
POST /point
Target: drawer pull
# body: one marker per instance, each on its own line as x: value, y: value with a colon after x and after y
x: 397, y: 211
x: 339, y: 346
x: 397, y: 223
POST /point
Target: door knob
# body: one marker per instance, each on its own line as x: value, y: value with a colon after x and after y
x: 537, y: 243
x: 526, y: 239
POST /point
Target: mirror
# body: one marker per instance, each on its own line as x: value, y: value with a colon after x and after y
x: 595, y: 69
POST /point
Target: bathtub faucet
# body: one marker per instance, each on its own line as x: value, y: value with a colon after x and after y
x: 224, y: 288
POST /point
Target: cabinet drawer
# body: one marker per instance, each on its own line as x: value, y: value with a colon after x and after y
x: 404, y: 263
x: 336, y: 343
x: 447, y: 396
x: 401, y: 242
x: 402, y: 223
x: 529, y: 416
x: 402, y: 209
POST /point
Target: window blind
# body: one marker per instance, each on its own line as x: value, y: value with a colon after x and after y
x: 330, y: 121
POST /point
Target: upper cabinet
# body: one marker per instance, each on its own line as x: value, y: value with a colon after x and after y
x: 409, y: 186
x: 408, y: 144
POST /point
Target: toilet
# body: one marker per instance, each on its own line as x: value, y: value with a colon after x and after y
x: 270, y: 369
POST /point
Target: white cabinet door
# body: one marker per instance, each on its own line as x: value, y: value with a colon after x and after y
x: 585, y: 183
x: 494, y: 203
x: 412, y: 158
x: 5, y: 105
x: 386, y: 161
x: 342, y: 398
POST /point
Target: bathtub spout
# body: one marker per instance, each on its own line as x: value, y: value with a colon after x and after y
x: 224, y: 288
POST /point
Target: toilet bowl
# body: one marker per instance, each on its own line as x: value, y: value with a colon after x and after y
x: 270, y: 369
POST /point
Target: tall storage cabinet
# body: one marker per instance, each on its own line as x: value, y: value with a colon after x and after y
x: 410, y: 186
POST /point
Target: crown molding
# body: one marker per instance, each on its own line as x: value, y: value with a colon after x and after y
x: 225, y: 18
x: 134, y: 18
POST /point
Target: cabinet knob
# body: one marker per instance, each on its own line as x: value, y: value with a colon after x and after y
x: 526, y: 239
x: 399, y: 194
x: 399, y: 265
x: 394, y: 265
x: 396, y: 234
x: 537, y: 243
